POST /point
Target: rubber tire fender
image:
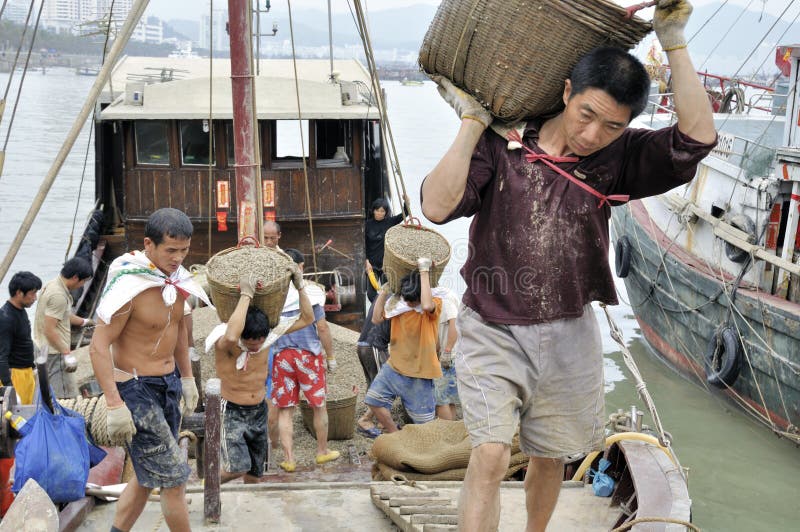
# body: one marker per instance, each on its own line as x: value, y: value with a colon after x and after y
x: 743, y: 223
x: 622, y: 256
x: 724, y: 343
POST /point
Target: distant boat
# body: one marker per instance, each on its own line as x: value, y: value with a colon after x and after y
x: 87, y: 71
x: 411, y: 82
x: 711, y: 268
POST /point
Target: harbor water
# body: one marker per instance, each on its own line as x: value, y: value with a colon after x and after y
x: 741, y: 478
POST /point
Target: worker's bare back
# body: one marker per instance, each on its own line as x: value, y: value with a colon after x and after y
x: 146, y: 343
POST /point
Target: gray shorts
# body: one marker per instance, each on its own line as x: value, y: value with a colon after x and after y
x: 63, y: 383
x: 547, y: 378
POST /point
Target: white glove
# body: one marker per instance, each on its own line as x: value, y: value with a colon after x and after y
x: 669, y: 20
x: 190, y: 395
x: 297, y: 277
x: 424, y: 264
x: 248, y: 284
x: 70, y: 363
x: 332, y: 365
x: 446, y: 359
x: 119, y: 425
x: 464, y: 105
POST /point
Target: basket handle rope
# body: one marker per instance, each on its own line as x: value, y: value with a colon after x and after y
x: 631, y: 10
x: 248, y: 241
x: 412, y: 222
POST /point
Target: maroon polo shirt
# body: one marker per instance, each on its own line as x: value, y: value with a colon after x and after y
x: 538, y: 243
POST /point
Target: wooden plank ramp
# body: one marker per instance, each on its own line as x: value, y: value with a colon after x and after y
x: 415, y: 508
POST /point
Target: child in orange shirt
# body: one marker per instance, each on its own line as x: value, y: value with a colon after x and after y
x: 412, y: 363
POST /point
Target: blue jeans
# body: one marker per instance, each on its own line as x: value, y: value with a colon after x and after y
x: 416, y: 394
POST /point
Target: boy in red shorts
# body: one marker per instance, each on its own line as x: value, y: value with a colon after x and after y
x: 300, y: 365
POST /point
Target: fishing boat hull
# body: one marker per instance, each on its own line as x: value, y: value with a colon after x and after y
x: 681, y: 301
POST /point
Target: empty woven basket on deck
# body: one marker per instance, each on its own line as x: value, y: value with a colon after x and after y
x: 269, y: 298
x: 514, y: 56
x: 399, y: 259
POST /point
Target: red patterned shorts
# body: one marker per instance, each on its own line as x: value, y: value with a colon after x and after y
x: 294, y: 370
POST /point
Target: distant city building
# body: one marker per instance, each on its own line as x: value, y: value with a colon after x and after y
x: 17, y: 11
x: 150, y: 30
x: 77, y: 16
x: 219, y: 36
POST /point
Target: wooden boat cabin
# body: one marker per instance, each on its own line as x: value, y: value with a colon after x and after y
x: 164, y: 138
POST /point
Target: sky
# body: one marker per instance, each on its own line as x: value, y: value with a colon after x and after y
x: 193, y: 9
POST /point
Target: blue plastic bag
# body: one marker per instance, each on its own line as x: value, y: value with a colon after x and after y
x: 55, y: 453
x: 603, y: 485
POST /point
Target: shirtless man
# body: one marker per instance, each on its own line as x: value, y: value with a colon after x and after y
x: 242, y: 349
x: 138, y: 344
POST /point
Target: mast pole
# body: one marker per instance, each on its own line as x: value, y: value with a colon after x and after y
x: 248, y: 175
x: 102, y: 77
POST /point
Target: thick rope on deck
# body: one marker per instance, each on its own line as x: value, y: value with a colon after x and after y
x: 93, y: 410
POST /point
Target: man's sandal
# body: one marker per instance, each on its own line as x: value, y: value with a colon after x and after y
x: 289, y: 467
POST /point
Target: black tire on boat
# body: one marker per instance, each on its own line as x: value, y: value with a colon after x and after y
x: 742, y: 223
x: 622, y: 256
x: 723, y: 360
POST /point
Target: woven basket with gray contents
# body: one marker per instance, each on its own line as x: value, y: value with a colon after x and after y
x: 404, y: 244
x: 514, y: 56
x: 270, y: 266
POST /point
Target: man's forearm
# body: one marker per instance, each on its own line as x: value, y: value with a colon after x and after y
x: 104, y: 373
x: 444, y: 186
x: 326, y: 339
x: 426, y: 298
x: 5, y: 370
x: 182, y: 352
x: 55, y: 342
x: 695, y: 118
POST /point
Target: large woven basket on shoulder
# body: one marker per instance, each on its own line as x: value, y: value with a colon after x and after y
x: 397, y: 263
x: 514, y: 56
x: 269, y: 298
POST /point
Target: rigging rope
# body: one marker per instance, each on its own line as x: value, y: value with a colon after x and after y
x: 3, y: 8
x: 211, y: 214
x: 704, y: 24
x: 89, y: 140
x: 386, y: 128
x: 22, y: 79
x: 302, y: 140
x: 719, y: 42
x: 16, y: 55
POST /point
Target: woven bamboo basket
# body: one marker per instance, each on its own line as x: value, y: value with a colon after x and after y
x: 269, y: 298
x: 341, y: 418
x: 397, y: 263
x: 513, y: 57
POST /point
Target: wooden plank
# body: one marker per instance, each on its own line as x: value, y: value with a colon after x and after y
x: 731, y: 234
x: 436, y: 510
x: 387, y: 492
x: 439, y: 528
x: 422, y: 519
x: 419, y: 501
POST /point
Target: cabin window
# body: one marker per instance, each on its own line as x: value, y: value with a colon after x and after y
x: 286, y: 143
x: 229, y: 147
x: 334, y: 143
x: 194, y: 142
x: 152, y: 142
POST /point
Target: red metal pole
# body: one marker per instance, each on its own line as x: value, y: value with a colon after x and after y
x: 245, y: 134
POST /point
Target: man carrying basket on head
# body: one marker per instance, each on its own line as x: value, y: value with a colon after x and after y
x: 530, y: 352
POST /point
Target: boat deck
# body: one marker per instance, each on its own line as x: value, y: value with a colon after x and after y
x: 348, y: 506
